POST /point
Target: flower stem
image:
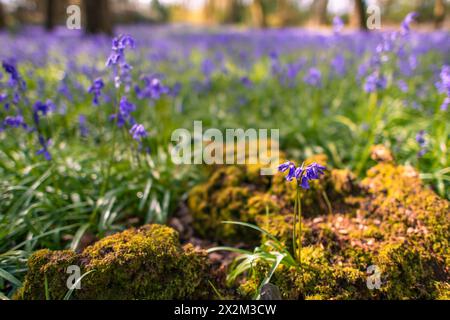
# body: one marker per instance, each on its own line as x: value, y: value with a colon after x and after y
x: 299, y: 213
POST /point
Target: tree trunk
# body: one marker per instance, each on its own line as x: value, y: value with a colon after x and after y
x: 50, y: 15
x: 259, y: 13
x: 359, y: 17
x: 439, y: 13
x: 320, y: 12
x: 233, y: 11
x: 98, y: 16
x: 2, y: 17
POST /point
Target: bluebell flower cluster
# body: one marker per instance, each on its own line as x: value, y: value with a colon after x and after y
x: 138, y: 132
x: 117, y: 60
x: 124, y: 115
x: 96, y: 90
x: 406, y: 23
x: 313, y: 77
x: 302, y: 174
x: 153, y: 88
x: 422, y: 142
x: 338, y: 25
x: 443, y: 85
x: 82, y: 124
x: 375, y: 82
x: 44, y: 148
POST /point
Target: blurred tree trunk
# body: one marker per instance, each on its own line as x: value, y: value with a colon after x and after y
x: 233, y: 11
x: 2, y: 17
x: 259, y: 13
x: 50, y: 15
x: 359, y: 17
x: 320, y: 12
x: 439, y: 13
x: 98, y: 16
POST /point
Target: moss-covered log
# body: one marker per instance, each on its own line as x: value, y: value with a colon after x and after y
x: 145, y: 263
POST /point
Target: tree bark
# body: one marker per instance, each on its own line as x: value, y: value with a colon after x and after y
x: 259, y: 13
x: 2, y: 17
x: 320, y: 11
x: 98, y: 16
x: 439, y: 13
x: 359, y: 17
x: 50, y: 15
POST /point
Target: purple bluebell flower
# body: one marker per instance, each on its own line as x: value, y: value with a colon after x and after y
x: 338, y: 25
x: 96, y: 90
x: 375, y: 82
x: 443, y: 86
x: 43, y: 108
x: 119, y: 44
x: 338, y: 64
x: 138, y: 132
x: 44, y: 150
x: 3, y: 97
x: 175, y: 90
x: 422, y: 142
x: 301, y: 174
x: 283, y: 167
x: 291, y: 174
x: 246, y: 82
x: 153, y: 88
x: 118, y: 62
x: 124, y: 114
x: 15, y: 122
x: 313, y: 77
x: 406, y: 24
x: 15, y: 79
x: 207, y: 68
x: 82, y: 124
x: 402, y: 85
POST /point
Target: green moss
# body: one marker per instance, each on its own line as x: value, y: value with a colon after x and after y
x: 146, y: 263
x: 389, y: 220
x: 406, y: 272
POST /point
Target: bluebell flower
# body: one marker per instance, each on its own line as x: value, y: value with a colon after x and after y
x: 82, y: 123
x: 96, y: 90
x: 375, y: 82
x: 43, y: 108
x: 338, y: 64
x: 314, y: 171
x: 283, y: 167
x: 422, y: 142
x: 15, y: 122
x: 402, y: 85
x: 338, y: 25
x: 124, y: 114
x: 246, y: 82
x: 15, y: 79
x: 118, y: 62
x: 443, y: 86
x: 138, y: 132
x: 406, y: 24
x: 301, y: 174
x: 291, y: 174
x: 313, y: 77
x: 3, y: 97
x: 153, y: 88
x: 44, y: 150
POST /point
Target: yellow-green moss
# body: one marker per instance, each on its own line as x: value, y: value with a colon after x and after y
x: 390, y: 220
x: 145, y: 263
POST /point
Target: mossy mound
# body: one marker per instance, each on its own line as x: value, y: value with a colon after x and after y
x: 389, y: 220
x: 146, y: 263
x: 399, y: 226
x: 239, y: 193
